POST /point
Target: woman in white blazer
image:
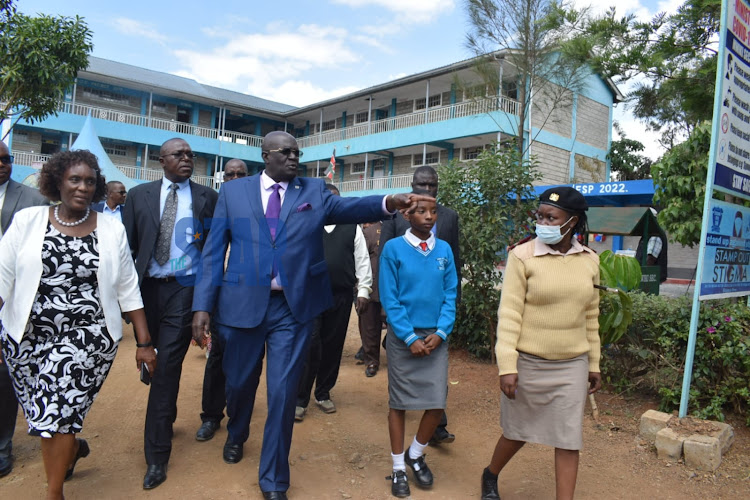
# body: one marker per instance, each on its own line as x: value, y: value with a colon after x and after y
x: 65, y: 276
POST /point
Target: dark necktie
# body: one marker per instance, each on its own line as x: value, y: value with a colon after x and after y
x: 166, y: 226
x: 423, y: 245
x: 273, y: 210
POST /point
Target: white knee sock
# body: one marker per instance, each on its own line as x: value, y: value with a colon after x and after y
x: 416, y: 449
x: 398, y: 461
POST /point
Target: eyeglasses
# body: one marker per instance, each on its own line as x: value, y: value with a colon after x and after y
x: 287, y: 151
x: 121, y: 192
x: 179, y: 154
x: 8, y: 159
x: 233, y: 175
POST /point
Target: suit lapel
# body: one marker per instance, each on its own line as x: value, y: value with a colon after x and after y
x: 199, y: 199
x: 153, y: 190
x: 12, y: 195
x: 290, y: 198
x: 256, y: 203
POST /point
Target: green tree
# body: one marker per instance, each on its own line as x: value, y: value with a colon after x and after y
x: 626, y: 164
x: 670, y: 60
x: 493, y: 196
x: 680, y: 179
x: 41, y: 58
x: 529, y: 35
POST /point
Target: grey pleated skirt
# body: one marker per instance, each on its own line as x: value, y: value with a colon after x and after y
x: 416, y: 383
x: 549, y: 403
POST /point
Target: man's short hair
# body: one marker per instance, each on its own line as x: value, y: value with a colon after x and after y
x: 332, y: 187
x: 111, y: 184
x: 425, y: 169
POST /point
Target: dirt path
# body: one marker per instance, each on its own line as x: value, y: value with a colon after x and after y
x: 346, y: 454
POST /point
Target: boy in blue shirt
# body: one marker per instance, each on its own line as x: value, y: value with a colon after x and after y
x: 418, y: 292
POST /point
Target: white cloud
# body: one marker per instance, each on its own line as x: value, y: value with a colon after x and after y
x: 131, y: 27
x: 414, y: 11
x: 265, y: 63
x: 297, y: 92
x: 635, y: 129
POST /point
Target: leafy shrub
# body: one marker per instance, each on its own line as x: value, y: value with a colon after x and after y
x: 650, y: 357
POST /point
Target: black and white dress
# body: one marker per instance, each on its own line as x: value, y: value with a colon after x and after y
x: 65, y: 352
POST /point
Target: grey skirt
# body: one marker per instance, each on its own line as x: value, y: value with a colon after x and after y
x: 416, y: 383
x: 549, y: 403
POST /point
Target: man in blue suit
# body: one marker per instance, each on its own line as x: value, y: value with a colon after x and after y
x: 276, y: 282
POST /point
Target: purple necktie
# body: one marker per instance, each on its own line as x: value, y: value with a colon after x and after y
x: 273, y: 210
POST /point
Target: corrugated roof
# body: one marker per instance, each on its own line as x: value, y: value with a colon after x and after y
x: 181, y: 85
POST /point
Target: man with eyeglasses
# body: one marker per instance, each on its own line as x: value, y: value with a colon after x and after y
x: 166, y: 225
x: 112, y: 205
x: 13, y: 197
x: 275, y: 284
x: 214, y: 399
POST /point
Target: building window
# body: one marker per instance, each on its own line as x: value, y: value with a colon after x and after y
x: 329, y: 125
x: 358, y: 168
x: 432, y: 158
x: 115, y: 149
x: 360, y: 117
x: 471, y: 153
x: 435, y: 100
x: 153, y: 154
x: 510, y: 89
x: 161, y: 107
x: 106, y: 96
x: 475, y: 92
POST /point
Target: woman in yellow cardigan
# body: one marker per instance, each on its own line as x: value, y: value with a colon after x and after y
x: 548, y: 341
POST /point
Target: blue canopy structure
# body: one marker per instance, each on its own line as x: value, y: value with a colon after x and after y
x: 87, y: 139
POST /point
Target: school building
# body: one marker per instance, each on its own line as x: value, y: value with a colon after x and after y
x: 380, y: 134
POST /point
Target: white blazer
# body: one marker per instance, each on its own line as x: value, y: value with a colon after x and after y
x: 21, y: 271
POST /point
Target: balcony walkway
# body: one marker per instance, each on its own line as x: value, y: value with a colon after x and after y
x: 432, y: 115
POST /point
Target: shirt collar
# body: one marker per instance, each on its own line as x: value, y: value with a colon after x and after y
x: 415, y: 241
x: 541, y: 248
x: 165, y: 183
x: 266, y: 182
x: 4, y: 186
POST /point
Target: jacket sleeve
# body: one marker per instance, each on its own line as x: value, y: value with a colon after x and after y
x: 448, y: 310
x: 510, y: 314
x: 211, y: 267
x: 9, y: 245
x: 128, y: 292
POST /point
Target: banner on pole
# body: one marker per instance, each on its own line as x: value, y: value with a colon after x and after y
x: 726, y: 262
x: 732, y: 147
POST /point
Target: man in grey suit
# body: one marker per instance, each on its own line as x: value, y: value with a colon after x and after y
x: 13, y: 197
x: 426, y: 179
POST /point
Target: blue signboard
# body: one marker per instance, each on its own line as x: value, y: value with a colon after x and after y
x: 612, y: 193
x: 726, y: 262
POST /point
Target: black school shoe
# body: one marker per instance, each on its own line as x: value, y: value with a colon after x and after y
x: 422, y: 473
x: 400, y: 484
x: 489, y: 486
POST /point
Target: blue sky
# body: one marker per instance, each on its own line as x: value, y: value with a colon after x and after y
x: 296, y: 52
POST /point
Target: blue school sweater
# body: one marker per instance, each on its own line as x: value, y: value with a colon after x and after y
x: 418, y: 289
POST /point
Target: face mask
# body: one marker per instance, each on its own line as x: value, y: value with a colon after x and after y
x: 550, y: 235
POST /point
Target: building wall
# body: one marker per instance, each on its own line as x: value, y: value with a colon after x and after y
x: 553, y: 163
x: 553, y: 110
x: 592, y: 123
x: 589, y: 169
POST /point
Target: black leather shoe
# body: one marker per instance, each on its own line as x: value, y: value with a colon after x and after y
x: 83, y: 452
x: 274, y: 495
x: 371, y: 370
x: 207, y: 430
x: 155, y: 475
x: 399, y: 485
x: 6, y: 466
x: 232, y: 452
x: 442, y: 436
x: 422, y: 473
x: 489, y: 486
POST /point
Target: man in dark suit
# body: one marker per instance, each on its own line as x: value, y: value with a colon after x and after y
x: 112, y: 205
x: 426, y: 179
x: 276, y: 282
x: 13, y: 197
x: 166, y: 225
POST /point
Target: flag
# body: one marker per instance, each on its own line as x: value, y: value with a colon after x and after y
x: 331, y: 170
